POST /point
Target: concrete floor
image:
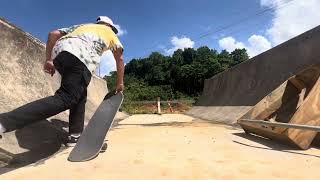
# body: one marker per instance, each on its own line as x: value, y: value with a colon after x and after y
x: 159, y: 149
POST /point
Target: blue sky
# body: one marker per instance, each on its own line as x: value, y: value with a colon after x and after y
x: 157, y: 25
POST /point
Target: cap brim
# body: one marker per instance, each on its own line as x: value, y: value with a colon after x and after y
x: 115, y: 30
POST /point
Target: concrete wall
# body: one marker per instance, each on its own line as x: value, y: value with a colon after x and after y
x: 229, y: 95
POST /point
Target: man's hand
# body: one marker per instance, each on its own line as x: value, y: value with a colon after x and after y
x: 49, y: 68
x: 119, y: 88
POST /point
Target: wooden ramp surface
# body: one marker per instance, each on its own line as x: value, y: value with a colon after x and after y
x: 297, y: 102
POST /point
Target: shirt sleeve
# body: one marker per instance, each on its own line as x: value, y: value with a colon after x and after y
x: 68, y: 30
x: 115, y: 45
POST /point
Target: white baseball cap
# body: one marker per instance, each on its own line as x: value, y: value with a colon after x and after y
x: 107, y: 20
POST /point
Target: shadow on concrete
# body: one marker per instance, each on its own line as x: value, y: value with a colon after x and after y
x: 41, y: 140
x: 174, y: 124
x: 193, y: 123
x: 271, y: 145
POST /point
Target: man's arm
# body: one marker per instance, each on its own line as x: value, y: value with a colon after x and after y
x: 52, y: 39
x: 118, y: 56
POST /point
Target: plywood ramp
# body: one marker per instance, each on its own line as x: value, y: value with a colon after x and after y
x: 296, y: 101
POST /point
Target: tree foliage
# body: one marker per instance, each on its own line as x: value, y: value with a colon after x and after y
x: 174, y: 76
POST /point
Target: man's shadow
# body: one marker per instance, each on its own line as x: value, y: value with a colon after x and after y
x: 41, y: 140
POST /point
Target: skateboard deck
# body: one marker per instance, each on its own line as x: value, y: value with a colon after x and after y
x: 92, y: 138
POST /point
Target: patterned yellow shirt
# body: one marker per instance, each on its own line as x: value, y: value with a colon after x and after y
x: 87, y: 42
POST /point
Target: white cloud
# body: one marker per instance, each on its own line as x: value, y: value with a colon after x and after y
x: 272, y: 3
x: 120, y: 30
x: 179, y: 43
x: 230, y: 44
x: 291, y: 18
x: 107, y: 64
x: 256, y: 44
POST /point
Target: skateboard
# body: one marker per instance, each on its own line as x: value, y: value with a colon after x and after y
x: 93, y: 136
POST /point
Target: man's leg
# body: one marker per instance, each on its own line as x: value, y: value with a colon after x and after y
x: 77, y: 111
x: 76, y: 120
x: 32, y: 112
x: 71, y: 90
x: 37, y: 110
x: 76, y: 81
x: 76, y: 117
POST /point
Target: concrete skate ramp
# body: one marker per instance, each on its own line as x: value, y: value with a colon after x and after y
x: 229, y: 95
x: 22, y: 80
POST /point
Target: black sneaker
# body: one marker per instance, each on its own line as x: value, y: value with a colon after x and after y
x: 104, y: 148
x: 72, y: 140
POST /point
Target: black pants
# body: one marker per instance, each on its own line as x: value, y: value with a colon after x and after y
x: 72, y: 95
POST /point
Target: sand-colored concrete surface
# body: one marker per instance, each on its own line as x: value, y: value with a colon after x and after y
x: 180, y: 150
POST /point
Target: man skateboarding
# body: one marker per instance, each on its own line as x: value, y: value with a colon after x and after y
x: 75, y: 53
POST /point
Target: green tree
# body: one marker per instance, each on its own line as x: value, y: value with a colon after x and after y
x: 175, y: 76
x: 177, y: 58
x: 188, y: 55
x: 239, y: 56
x: 225, y: 59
